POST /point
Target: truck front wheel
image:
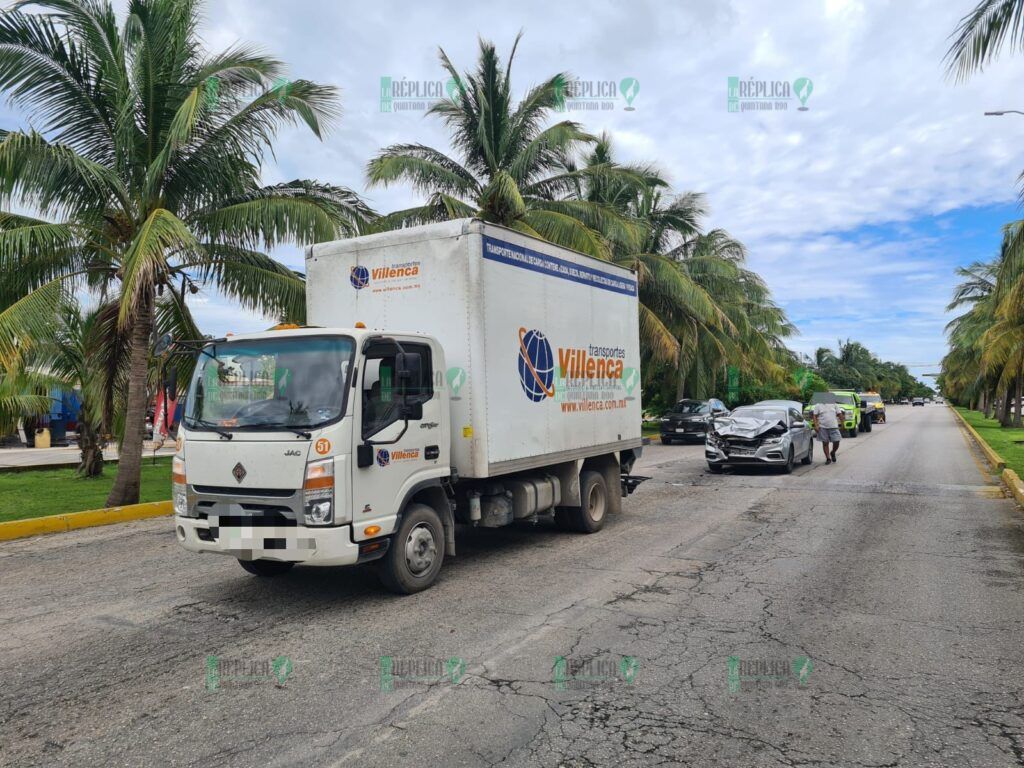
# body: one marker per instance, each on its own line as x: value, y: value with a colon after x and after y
x: 266, y: 567
x: 589, y: 517
x: 416, y: 552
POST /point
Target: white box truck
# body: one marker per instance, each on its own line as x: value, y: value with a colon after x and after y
x: 457, y: 372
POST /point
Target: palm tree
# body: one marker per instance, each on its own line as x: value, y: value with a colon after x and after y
x: 965, y: 378
x: 144, y: 166
x: 511, y: 170
x: 982, y: 33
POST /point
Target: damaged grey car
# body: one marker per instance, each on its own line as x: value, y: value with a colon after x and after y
x: 760, y: 435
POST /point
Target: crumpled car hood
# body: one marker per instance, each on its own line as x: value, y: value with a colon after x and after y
x: 743, y: 427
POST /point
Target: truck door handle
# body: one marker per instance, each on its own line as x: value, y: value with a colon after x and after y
x: 431, y: 452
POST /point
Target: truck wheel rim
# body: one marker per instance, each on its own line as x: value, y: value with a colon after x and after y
x: 420, y: 549
x: 595, y: 503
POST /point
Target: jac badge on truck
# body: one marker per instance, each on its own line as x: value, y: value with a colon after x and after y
x: 239, y: 472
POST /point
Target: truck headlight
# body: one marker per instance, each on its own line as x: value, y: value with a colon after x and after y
x: 318, y: 493
x: 179, y: 486
x: 848, y: 415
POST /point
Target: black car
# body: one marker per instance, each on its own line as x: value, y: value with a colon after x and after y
x: 688, y: 420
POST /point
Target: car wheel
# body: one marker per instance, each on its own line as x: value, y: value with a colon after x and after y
x: 589, y: 517
x: 852, y: 432
x: 416, y: 553
x: 666, y: 441
x: 715, y: 469
x: 790, y: 461
x: 810, y: 454
x: 266, y: 568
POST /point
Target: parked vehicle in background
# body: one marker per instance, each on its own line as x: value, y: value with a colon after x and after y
x: 768, y: 435
x: 853, y: 419
x: 688, y: 420
x: 918, y: 401
x: 874, y: 407
x: 904, y: 401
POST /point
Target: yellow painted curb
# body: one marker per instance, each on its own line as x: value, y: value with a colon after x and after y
x: 1012, y: 481
x: 20, y: 529
x: 993, y: 458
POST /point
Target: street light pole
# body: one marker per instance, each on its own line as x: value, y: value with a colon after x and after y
x: 1002, y: 112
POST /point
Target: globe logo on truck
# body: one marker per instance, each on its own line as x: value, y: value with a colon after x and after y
x: 359, y: 277
x: 383, y: 457
x: 536, y: 365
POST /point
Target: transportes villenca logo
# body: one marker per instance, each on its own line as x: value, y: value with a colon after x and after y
x: 536, y: 365
x: 359, y: 277
x: 383, y: 457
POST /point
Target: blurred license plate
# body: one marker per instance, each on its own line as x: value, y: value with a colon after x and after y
x: 741, y: 451
x: 680, y: 429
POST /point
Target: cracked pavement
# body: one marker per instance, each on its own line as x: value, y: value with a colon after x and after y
x: 898, y: 573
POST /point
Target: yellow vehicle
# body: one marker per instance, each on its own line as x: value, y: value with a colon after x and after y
x: 874, y: 407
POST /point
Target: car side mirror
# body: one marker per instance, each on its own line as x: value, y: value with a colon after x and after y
x: 799, y: 424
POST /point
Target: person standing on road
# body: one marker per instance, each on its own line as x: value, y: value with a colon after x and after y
x: 827, y: 415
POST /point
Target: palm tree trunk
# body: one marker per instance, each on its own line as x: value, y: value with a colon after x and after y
x: 90, y: 444
x: 1004, y: 406
x: 1017, y: 403
x: 681, y: 385
x: 129, y: 465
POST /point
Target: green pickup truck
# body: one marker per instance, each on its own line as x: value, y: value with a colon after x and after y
x: 854, y: 420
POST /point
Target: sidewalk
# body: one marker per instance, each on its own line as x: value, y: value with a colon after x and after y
x: 25, y: 458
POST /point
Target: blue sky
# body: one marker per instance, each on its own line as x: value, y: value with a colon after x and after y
x: 855, y: 211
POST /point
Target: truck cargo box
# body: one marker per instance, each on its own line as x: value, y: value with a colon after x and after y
x: 541, y: 343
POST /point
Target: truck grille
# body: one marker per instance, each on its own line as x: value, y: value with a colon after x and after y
x: 267, y: 493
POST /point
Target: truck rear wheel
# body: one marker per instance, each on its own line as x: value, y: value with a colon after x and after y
x: 266, y: 568
x: 589, y: 517
x: 416, y: 552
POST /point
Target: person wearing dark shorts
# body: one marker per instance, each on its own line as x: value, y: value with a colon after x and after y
x: 827, y: 416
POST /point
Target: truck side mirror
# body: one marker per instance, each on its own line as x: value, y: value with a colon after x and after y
x: 170, y: 382
x: 408, y: 367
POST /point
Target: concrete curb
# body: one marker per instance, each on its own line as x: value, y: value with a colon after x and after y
x: 993, y: 458
x: 1013, y: 482
x: 20, y: 529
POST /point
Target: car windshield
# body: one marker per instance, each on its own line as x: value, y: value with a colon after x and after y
x: 826, y: 397
x: 767, y: 414
x: 871, y: 398
x: 270, y: 384
x: 688, y: 407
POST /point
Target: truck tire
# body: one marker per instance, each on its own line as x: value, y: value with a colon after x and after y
x: 416, y: 553
x: 266, y: 568
x: 852, y: 432
x: 589, y: 517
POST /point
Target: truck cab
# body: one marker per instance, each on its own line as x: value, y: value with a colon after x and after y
x: 277, y: 425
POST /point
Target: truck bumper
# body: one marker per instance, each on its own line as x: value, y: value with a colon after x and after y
x: 294, y: 544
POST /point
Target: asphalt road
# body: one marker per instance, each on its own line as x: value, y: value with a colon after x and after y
x: 864, y: 614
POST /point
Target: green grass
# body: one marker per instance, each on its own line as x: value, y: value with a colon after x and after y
x: 38, y: 493
x: 1001, y: 440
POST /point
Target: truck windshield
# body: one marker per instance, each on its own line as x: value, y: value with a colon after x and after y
x: 270, y: 384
